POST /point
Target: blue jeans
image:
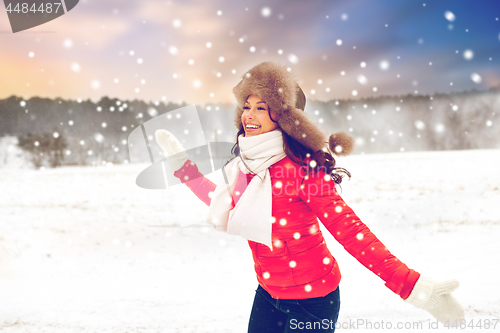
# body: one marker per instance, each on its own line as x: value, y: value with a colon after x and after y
x: 294, y: 315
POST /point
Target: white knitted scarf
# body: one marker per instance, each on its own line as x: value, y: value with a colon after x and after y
x: 251, y: 217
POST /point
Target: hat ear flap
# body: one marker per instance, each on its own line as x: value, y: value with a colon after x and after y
x: 341, y: 143
x: 298, y: 125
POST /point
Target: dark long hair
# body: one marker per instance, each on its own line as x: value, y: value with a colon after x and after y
x: 300, y: 154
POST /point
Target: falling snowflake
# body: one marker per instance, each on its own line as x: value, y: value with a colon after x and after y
x: 449, y: 16
x: 152, y: 112
x: 177, y: 23
x: 419, y: 125
x: 384, y: 65
x: 439, y: 128
x: 68, y: 43
x: 196, y: 84
x: 99, y: 137
x: 266, y: 12
x: 468, y: 54
x: 476, y: 78
x: 362, y: 79
x: 293, y: 58
x: 173, y: 50
x: 75, y: 67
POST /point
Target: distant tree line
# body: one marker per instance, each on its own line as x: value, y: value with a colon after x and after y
x: 44, y: 148
x: 58, y: 132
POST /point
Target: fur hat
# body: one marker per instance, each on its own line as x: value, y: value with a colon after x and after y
x: 278, y: 88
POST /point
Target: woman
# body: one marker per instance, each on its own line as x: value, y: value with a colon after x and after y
x: 280, y: 181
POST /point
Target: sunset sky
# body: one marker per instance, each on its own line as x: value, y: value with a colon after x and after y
x: 196, y: 51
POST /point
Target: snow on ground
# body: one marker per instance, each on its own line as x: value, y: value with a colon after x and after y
x: 83, y: 249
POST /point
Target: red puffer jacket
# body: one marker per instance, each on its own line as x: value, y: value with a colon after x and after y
x: 300, y: 264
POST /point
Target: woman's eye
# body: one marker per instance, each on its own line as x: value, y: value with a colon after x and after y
x: 259, y: 108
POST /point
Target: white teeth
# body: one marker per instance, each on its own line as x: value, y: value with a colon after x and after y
x: 252, y: 126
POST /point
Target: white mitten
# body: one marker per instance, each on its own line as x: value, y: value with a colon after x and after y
x: 172, y: 149
x: 436, y: 298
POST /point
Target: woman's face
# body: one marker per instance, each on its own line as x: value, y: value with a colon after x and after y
x: 255, y: 117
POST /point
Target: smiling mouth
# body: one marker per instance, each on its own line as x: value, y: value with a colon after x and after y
x: 251, y: 127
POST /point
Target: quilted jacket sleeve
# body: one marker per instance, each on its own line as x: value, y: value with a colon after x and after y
x: 194, y: 179
x: 319, y: 193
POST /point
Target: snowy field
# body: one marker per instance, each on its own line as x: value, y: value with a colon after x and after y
x: 86, y: 250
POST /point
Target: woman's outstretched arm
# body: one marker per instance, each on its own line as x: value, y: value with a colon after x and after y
x: 197, y: 183
x: 319, y: 193
x: 187, y: 171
